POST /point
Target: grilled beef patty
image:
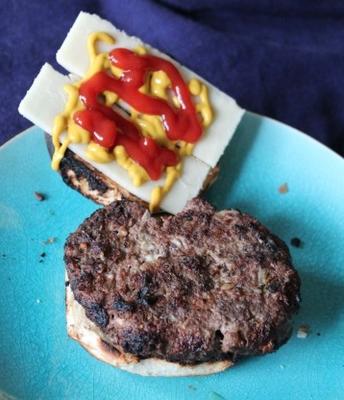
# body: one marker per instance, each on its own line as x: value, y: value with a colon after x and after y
x: 195, y: 287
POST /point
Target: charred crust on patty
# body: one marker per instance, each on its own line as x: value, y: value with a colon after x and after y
x: 81, y: 176
x: 196, y: 287
x: 71, y: 163
x: 97, y: 314
x: 121, y: 305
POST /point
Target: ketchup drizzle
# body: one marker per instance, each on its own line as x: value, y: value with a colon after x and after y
x: 109, y: 128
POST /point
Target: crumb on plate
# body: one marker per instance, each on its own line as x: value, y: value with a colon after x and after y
x: 303, y: 331
x: 283, y: 188
x: 216, y: 396
x: 39, y: 196
x: 296, y: 242
x: 50, y: 240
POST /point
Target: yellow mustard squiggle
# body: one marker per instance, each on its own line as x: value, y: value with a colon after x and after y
x: 98, y: 153
x: 138, y: 174
x: 60, y: 125
x: 157, y: 84
x: 172, y: 174
x: 203, y: 106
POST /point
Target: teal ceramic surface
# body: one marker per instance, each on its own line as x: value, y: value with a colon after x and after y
x: 38, y: 361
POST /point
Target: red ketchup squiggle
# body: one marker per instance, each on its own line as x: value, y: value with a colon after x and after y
x: 109, y: 128
x: 180, y: 124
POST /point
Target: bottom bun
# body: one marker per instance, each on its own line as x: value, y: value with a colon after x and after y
x: 84, y: 331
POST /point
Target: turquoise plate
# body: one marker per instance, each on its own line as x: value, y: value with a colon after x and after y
x: 38, y: 361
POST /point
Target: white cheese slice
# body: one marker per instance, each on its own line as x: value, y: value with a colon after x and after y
x: 73, y: 56
x: 46, y: 98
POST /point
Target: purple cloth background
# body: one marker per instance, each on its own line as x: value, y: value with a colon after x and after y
x: 283, y: 59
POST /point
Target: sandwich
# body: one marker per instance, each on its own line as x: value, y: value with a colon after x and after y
x: 179, y: 124
x: 186, y: 291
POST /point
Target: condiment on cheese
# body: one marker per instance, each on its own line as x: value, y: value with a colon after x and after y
x: 135, y: 109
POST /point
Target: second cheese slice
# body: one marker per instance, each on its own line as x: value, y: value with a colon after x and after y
x: 73, y: 56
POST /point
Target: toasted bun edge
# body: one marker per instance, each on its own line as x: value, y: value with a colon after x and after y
x: 80, y: 175
x: 89, y: 336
